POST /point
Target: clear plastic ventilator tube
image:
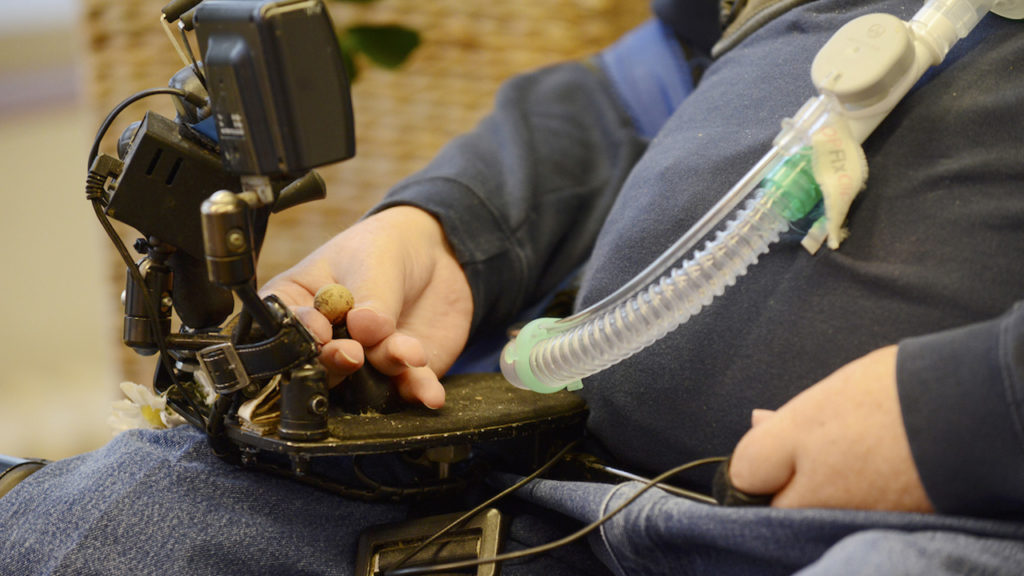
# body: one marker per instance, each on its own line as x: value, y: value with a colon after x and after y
x: 861, y: 73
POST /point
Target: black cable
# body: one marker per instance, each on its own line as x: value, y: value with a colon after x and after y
x: 192, y: 56
x: 676, y: 490
x: 133, y: 269
x: 95, y: 150
x: 476, y: 510
x: 151, y: 310
x: 463, y: 564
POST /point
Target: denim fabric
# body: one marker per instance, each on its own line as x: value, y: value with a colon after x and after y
x: 923, y: 551
x: 661, y: 534
x: 935, y: 243
x: 159, y: 502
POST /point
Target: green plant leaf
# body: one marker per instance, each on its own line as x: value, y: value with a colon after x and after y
x: 348, y: 60
x: 386, y: 46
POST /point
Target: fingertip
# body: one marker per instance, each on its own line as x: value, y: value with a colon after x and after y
x: 421, y: 385
x: 759, y: 416
x: 762, y: 462
x: 407, y: 350
x: 397, y: 354
x: 342, y: 355
x: 433, y: 398
x: 369, y: 326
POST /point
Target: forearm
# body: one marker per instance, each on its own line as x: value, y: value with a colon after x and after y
x: 522, y: 196
x: 962, y: 397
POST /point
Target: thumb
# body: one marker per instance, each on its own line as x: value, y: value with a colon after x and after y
x: 764, y: 460
x: 760, y: 416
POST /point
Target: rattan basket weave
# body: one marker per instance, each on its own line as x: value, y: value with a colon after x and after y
x: 402, y: 117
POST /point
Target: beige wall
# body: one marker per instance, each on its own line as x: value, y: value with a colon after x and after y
x: 60, y: 353
x: 57, y: 377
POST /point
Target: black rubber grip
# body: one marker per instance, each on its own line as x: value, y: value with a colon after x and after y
x: 175, y: 8
x: 728, y: 495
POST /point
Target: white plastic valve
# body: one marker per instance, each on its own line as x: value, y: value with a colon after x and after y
x: 864, y: 60
x: 1012, y: 9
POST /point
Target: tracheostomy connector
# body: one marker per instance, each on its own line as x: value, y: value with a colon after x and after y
x: 861, y: 73
x: 549, y: 354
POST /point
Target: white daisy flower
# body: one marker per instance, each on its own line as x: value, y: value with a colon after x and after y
x: 141, y: 409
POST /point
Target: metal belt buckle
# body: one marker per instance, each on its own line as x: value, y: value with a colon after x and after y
x: 382, y: 547
x: 224, y: 367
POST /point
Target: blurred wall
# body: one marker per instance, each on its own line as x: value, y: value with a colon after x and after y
x: 59, y: 341
x: 57, y: 371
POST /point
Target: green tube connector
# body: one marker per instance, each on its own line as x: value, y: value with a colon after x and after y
x: 793, y: 183
x: 516, y: 356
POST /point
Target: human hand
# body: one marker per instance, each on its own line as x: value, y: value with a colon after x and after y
x: 413, y: 305
x: 838, y: 444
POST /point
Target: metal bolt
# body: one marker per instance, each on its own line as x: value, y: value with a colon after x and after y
x: 236, y: 240
x: 318, y: 404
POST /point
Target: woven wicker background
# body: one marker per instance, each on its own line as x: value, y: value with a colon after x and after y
x: 402, y: 117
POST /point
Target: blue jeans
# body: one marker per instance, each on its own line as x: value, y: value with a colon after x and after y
x: 159, y: 502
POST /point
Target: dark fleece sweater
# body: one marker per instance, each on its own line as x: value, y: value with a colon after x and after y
x: 557, y: 175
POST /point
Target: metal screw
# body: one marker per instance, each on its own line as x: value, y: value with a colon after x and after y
x: 318, y: 404
x: 236, y: 240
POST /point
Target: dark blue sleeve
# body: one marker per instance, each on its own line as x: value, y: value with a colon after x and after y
x: 651, y: 74
x: 522, y: 197
x: 962, y: 395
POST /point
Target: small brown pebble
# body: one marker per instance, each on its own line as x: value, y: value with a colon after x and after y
x: 333, y: 301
